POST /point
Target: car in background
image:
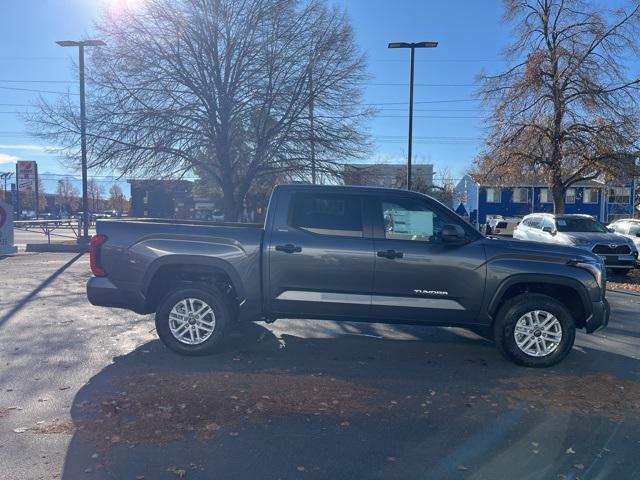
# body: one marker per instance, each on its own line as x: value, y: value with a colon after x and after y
x: 502, y: 227
x: 627, y: 227
x: 217, y: 216
x: 620, y: 254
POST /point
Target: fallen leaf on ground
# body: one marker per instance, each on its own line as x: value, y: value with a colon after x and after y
x: 300, y: 468
x: 178, y: 472
x: 569, y: 450
x: 579, y: 466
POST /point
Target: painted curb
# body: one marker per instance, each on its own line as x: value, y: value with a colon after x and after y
x: 56, y: 248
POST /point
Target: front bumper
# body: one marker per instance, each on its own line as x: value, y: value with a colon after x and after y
x: 619, y: 261
x: 599, y: 318
x: 103, y: 293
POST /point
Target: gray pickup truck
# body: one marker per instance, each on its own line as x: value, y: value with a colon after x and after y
x: 351, y: 254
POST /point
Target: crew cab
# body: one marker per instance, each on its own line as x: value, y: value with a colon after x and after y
x: 348, y: 254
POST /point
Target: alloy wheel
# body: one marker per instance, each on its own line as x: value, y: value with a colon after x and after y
x: 192, y: 321
x: 538, y: 333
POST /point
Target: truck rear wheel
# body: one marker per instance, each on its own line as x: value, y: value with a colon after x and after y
x: 193, y: 320
x: 534, y: 330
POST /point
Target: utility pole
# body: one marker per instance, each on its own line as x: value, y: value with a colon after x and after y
x: 311, y: 124
x: 83, y: 129
x: 5, y: 176
x: 412, y: 47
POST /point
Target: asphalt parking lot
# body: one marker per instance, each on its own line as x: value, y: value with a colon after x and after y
x: 88, y: 392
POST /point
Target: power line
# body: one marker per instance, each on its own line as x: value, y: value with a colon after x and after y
x: 424, y: 102
x: 431, y: 60
x: 37, y: 91
x: 423, y: 84
x: 38, y: 81
x: 428, y: 116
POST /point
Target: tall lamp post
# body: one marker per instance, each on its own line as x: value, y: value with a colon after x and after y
x: 412, y: 47
x: 83, y: 128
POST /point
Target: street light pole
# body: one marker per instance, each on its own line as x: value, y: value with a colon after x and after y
x: 83, y: 128
x: 412, y: 47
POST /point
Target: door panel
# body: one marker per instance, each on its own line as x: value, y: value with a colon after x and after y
x: 426, y: 280
x: 317, y: 266
x: 430, y: 282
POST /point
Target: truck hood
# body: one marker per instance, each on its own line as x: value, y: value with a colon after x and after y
x: 594, y: 237
x: 526, y: 248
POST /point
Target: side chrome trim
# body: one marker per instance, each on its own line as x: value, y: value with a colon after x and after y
x: 378, y: 300
x: 329, y: 297
x: 415, y: 302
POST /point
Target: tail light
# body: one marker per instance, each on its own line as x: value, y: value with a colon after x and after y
x: 94, y: 255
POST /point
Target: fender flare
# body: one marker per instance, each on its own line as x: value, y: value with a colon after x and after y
x: 548, y: 279
x: 193, y: 260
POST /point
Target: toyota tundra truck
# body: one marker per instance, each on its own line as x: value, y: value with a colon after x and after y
x: 348, y: 254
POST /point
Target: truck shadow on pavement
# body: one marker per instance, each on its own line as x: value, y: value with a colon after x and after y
x: 24, y: 301
x: 424, y: 403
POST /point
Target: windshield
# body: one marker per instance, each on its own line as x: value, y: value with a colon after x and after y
x: 579, y: 224
x: 634, y: 229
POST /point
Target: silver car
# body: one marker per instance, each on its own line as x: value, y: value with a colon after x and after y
x: 628, y: 227
x: 619, y: 253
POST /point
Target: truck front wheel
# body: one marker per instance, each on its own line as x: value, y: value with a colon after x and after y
x: 193, y: 320
x: 534, y: 330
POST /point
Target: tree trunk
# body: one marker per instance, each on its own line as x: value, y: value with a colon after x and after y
x: 557, y: 191
x: 229, y: 205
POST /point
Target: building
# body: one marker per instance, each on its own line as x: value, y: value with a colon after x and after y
x: 603, y: 201
x: 390, y: 175
x: 162, y: 199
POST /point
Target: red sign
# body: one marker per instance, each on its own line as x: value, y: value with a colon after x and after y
x: 26, y: 170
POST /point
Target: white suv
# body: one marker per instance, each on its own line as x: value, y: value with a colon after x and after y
x: 582, y: 231
x: 628, y: 227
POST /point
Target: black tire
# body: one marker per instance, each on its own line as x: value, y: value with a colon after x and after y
x: 513, y: 310
x: 218, y: 302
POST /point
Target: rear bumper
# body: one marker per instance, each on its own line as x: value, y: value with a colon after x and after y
x: 103, y: 293
x: 599, y: 317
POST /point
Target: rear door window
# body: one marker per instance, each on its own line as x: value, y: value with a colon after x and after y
x: 327, y: 214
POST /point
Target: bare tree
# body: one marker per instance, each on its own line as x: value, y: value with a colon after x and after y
x: 117, y: 200
x: 95, y: 191
x: 566, y: 111
x: 221, y: 89
x: 67, y: 195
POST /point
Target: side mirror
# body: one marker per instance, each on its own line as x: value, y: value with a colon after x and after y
x: 549, y: 230
x: 610, y: 230
x: 638, y: 234
x: 453, y: 234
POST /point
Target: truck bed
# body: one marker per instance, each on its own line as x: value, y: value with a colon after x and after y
x: 136, y: 248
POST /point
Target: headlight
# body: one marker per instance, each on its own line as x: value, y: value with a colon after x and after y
x: 581, y: 242
x: 596, y: 269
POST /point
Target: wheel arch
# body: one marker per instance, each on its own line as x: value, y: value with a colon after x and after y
x: 171, y: 269
x: 568, y: 291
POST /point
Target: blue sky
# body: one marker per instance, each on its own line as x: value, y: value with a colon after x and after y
x: 447, y: 128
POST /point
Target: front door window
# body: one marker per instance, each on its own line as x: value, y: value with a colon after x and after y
x: 411, y: 219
